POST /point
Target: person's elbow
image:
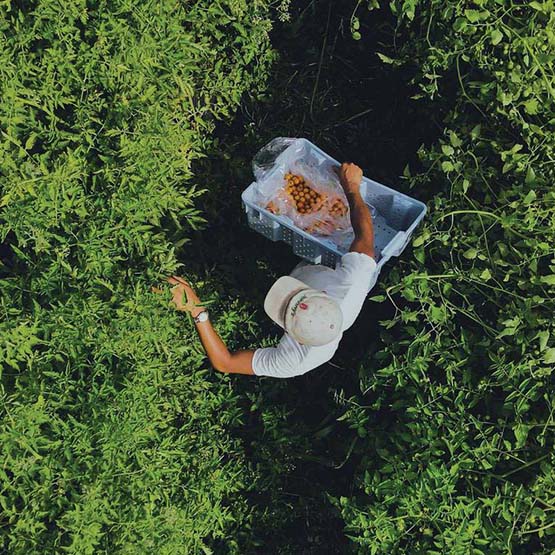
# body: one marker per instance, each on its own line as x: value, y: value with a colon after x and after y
x: 239, y: 362
x: 222, y: 364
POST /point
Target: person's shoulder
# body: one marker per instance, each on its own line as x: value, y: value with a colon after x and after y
x: 303, y: 357
x: 314, y: 356
x: 357, y: 269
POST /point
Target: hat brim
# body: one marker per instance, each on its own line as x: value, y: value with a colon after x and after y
x: 279, y: 295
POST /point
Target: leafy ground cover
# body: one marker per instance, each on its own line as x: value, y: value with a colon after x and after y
x: 430, y: 432
x: 465, y: 462
x: 113, y: 440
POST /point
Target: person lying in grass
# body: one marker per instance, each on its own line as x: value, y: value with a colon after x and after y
x: 314, y: 305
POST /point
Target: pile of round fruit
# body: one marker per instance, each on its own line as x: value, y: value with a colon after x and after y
x: 338, y: 208
x: 305, y: 198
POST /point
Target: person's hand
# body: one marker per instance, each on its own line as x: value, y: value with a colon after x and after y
x: 350, y: 177
x: 184, y: 297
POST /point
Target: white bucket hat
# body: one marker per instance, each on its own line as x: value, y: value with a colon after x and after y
x: 311, y: 317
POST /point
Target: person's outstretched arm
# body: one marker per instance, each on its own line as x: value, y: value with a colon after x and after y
x: 350, y: 177
x: 185, y: 299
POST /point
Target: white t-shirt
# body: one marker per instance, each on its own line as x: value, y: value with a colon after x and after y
x: 348, y: 284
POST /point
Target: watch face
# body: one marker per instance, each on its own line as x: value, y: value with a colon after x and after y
x: 202, y: 317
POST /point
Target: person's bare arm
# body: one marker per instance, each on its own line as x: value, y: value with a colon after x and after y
x: 185, y: 299
x: 223, y: 360
x: 350, y: 177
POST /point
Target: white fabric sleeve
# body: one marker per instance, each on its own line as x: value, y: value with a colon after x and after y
x: 290, y: 358
x: 358, y: 274
x: 358, y: 268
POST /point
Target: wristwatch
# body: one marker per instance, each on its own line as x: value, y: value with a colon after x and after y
x: 202, y: 317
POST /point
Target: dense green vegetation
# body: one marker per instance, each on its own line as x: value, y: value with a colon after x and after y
x: 113, y: 441
x: 465, y: 461
x: 123, y: 158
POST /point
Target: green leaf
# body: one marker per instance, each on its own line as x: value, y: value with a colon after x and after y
x: 454, y: 138
x: 550, y: 279
x: 460, y: 24
x: 448, y: 150
x: 531, y: 106
x: 419, y: 255
x: 549, y: 355
x: 409, y: 293
x: 472, y: 15
x: 420, y: 239
x: 486, y: 275
x: 543, y: 336
x: 496, y: 36
x: 507, y: 332
x: 438, y: 314
x: 385, y: 59
x: 530, y: 197
x: 470, y: 254
x: 29, y: 143
x: 530, y: 176
x: 521, y: 434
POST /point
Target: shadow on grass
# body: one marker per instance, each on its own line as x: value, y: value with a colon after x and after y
x: 334, y: 91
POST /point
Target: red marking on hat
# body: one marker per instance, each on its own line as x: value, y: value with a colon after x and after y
x: 303, y: 306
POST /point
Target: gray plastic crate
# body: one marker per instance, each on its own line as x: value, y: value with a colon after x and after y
x: 396, y: 216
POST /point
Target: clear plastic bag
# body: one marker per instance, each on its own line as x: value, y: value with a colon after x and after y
x: 295, y: 183
x: 265, y: 159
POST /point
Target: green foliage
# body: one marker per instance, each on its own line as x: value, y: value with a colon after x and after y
x: 464, y: 461
x: 114, y: 438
